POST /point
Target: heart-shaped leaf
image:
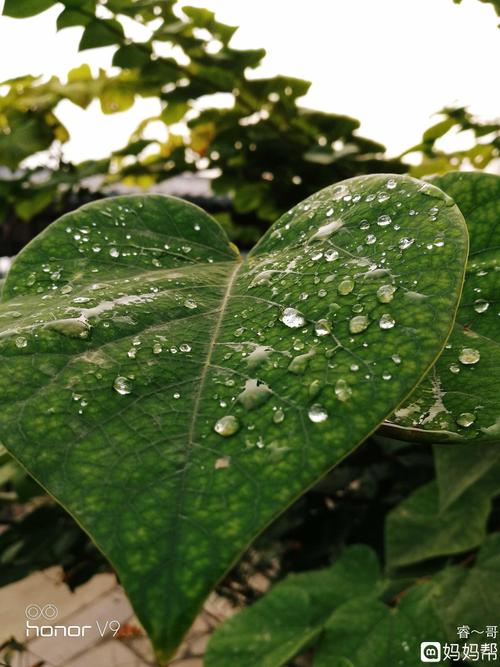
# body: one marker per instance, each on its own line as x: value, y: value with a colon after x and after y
x: 460, y: 398
x: 176, y: 399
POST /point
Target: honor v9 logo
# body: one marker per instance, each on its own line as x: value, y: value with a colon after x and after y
x: 49, y: 612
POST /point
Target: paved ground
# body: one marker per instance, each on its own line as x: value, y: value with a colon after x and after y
x: 99, y: 601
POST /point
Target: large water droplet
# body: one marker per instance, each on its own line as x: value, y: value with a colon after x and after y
x: 466, y: 419
x: 226, y: 426
x: 278, y: 416
x: 384, y: 220
x: 73, y: 327
x: 469, y: 356
x: 317, y: 413
x: 299, y: 364
x: 342, y: 390
x: 327, y: 230
x: 385, y: 293
x: 346, y: 286
x: 21, y: 342
x: 358, y: 324
x: 481, y: 305
x: 292, y: 318
x: 405, y: 242
x: 322, y: 327
x: 122, y: 385
x: 386, y: 321
x: 254, y: 394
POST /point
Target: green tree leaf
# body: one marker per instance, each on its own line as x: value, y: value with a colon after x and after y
x: 419, y: 529
x: 21, y: 9
x: 458, y: 469
x: 176, y: 399
x: 460, y: 398
x: 276, y: 628
x: 367, y: 633
x: 101, y: 32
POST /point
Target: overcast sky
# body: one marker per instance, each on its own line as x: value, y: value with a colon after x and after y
x: 390, y: 63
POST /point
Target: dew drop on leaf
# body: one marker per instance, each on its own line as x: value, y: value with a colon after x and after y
x: 278, y: 416
x: 317, y: 413
x: 466, y: 419
x: 358, y: 324
x: 322, y: 328
x: 469, y: 356
x: 481, y: 305
x: 292, y: 318
x: 386, y: 321
x: 122, y: 385
x: 346, y: 286
x: 385, y: 293
x: 227, y: 426
x: 342, y: 390
x: 21, y: 342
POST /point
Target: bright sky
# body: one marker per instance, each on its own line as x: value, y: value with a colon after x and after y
x: 389, y: 63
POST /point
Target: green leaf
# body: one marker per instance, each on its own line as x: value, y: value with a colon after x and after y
x: 458, y: 469
x: 280, y: 625
x: 101, y: 32
x: 461, y: 395
x: 467, y: 596
x: 367, y: 633
x: 21, y: 9
x: 419, y: 529
x: 176, y: 399
x: 75, y: 16
x: 131, y: 55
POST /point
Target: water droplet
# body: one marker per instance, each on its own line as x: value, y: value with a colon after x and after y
x: 386, y: 321
x: 481, y: 305
x: 396, y: 358
x: 73, y: 327
x: 317, y: 413
x: 405, y: 242
x: 327, y: 230
x: 383, y: 196
x: 469, y: 356
x: 454, y: 368
x: 370, y: 239
x: 331, y: 255
x: 278, y: 416
x: 114, y: 252
x: 223, y: 462
x: 386, y: 376
x: 21, y: 342
x: 384, y: 220
x: 316, y: 255
x: 358, y: 324
x: 66, y: 289
x: 132, y: 353
x: 157, y: 348
x: 342, y: 390
x: 391, y: 184
x: 385, y: 293
x: 189, y: 303
x: 322, y: 328
x: 346, y: 286
x: 254, y: 394
x: 292, y: 318
x: 184, y: 347
x: 466, y: 419
x: 299, y: 364
x: 227, y: 426
x: 122, y: 385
